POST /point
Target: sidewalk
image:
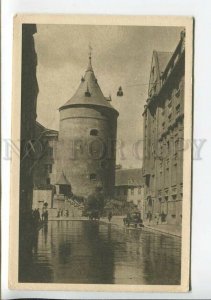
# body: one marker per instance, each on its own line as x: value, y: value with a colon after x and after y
x: 162, y: 228
x: 175, y: 230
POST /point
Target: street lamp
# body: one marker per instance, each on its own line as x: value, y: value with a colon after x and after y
x: 120, y: 92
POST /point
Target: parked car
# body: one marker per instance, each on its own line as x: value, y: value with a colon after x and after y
x: 133, y: 219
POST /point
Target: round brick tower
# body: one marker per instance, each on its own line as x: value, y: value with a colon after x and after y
x: 87, y: 138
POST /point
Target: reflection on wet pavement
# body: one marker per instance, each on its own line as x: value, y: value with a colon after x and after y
x: 92, y: 252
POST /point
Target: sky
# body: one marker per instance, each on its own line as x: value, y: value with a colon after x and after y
x: 121, y: 56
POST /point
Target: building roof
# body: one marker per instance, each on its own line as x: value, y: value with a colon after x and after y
x: 163, y: 59
x: 88, y: 92
x: 129, y: 177
x: 45, y: 130
x: 164, y: 63
x: 159, y: 62
x: 63, y: 180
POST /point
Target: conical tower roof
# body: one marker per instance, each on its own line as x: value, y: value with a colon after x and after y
x: 88, y: 92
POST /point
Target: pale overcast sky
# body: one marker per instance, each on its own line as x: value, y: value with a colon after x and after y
x: 121, y: 56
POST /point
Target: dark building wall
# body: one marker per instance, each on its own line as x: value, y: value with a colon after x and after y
x: 163, y: 143
x: 29, y: 91
x: 86, y: 148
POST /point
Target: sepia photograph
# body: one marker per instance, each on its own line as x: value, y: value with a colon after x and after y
x: 101, y: 184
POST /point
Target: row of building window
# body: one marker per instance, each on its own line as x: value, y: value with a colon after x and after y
x: 128, y: 189
x: 171, y: 148
x: 163, y: 124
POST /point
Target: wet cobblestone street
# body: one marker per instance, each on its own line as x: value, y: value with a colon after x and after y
x: 93, y: 252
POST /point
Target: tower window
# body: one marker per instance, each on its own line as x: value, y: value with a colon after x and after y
x: 48, y: 181
x: 93, y: 176
x: 94, y: 132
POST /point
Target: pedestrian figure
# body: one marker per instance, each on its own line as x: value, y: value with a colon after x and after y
x: 45, y: 216
x: 36, y: 217
x: 33, y: 219
x: 110, y: 216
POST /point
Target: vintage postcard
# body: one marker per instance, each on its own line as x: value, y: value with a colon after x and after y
x: 101, y: 153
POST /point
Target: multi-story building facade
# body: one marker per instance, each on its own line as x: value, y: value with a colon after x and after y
x: 163, y: 137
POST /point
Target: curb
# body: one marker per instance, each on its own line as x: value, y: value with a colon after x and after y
x: 146, y: 227
x: 161, y: 231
